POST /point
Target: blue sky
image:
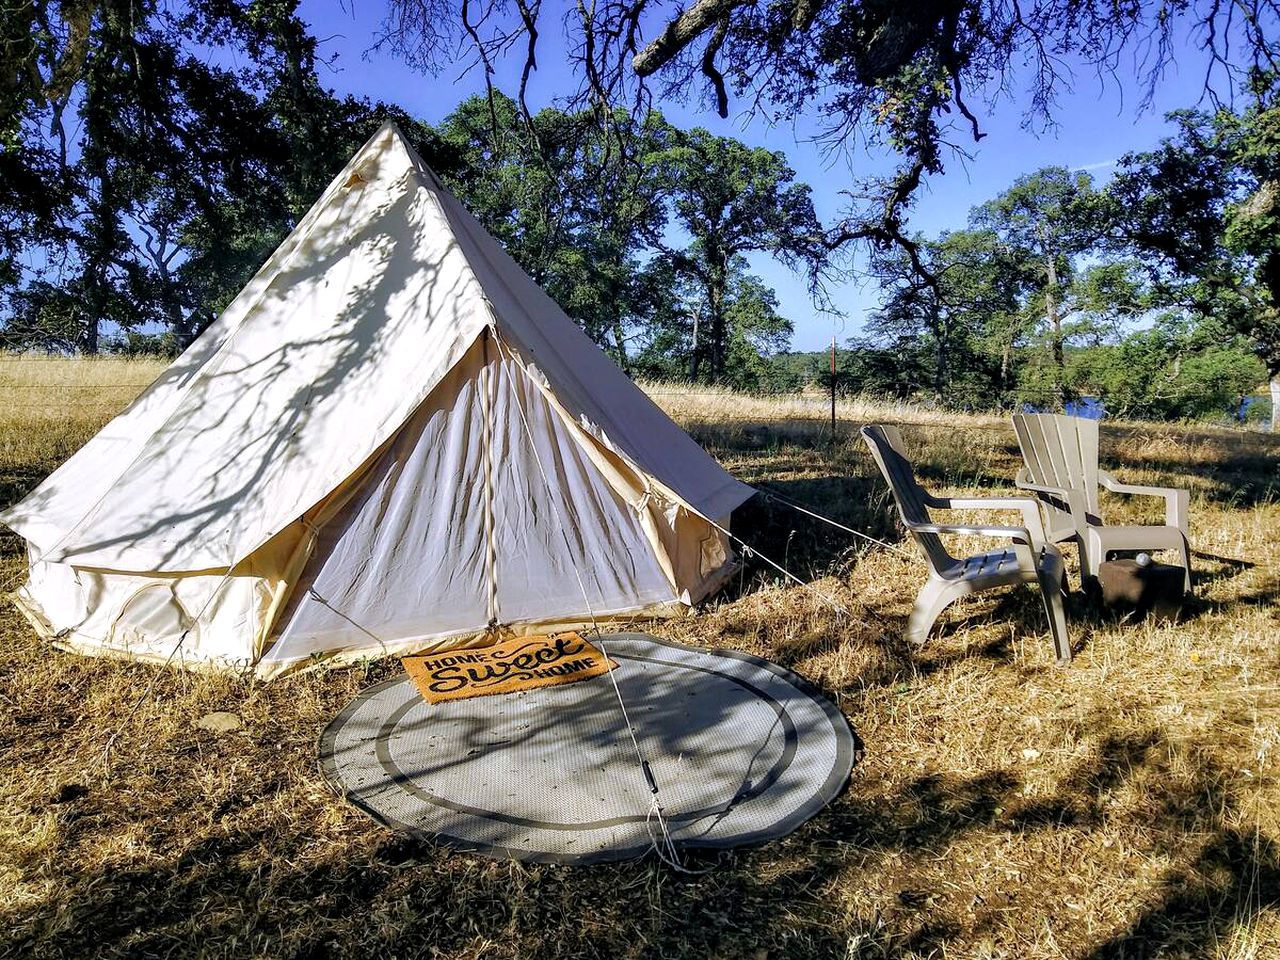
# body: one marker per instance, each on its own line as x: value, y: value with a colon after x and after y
x: 1096, y: 123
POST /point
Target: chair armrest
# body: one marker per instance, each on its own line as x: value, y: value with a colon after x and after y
x: 1027, y: 506
x: 1022, y: 482
x: 1063, y: 498
x: 1004, y: 533
x: 1176, y: 501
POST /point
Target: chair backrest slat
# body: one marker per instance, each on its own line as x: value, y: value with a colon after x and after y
x: 1035, y: 450
x: 889, y: 452
x: 1087, y: 436
x: 1060, y: 451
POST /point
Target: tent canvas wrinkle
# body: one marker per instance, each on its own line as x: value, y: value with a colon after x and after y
x: 346, y: 462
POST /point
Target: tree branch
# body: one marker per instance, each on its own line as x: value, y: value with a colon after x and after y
x: 709, y: 67
x: 681, y: 32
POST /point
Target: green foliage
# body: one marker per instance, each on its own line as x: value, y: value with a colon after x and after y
x: 134, y: 344
x: 1176, y: 370
x: 964, y: 315
x: 152, y: 156
x: 575, y: 211
x: 591, y: 219
x: 754, y: 330
x: 183, y: 175
x: 1202, y: 210
x: 757, y: 332
x: 142, y: 181
x: 1042, y: 221
x: 900, y: 368
x: 1036, y: 303
x: 895, y: 76
x: 733, y: 200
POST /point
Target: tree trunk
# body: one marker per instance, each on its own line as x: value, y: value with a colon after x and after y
x: 695, y: 354
x: 96, y: 243
x: 1006, y: 360
x: 716, y: 338
x: 89, y: 336
x: 717, y: 282
x: 939, y: 364
x: 300, y: 116
x: 1055, y: 331
x: 180, y: 323
x: 613, y: 324
x: 620, y: 345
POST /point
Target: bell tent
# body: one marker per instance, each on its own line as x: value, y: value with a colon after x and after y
x: 390, y: 441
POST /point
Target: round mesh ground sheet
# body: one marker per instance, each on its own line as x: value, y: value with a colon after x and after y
x: 742, y: 750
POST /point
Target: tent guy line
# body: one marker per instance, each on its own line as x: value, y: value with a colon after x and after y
x: 770, y: 494
x: 666, y: 849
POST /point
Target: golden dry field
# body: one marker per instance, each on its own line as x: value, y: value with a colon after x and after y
x: 1126, y: 806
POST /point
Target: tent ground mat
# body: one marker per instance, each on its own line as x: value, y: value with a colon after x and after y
x: 742, y: 750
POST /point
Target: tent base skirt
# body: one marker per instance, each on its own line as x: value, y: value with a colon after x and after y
x: 742, y: 751
x: 268, y: 668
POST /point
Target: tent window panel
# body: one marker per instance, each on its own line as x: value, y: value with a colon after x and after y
x: 154, y: 617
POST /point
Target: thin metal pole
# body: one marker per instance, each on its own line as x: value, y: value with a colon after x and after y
x: 833, y: 386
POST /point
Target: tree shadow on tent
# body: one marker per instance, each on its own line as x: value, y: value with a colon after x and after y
x: 265, y: 406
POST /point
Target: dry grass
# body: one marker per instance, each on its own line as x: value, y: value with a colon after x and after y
x: 1126, y: 806
x: 702, y: 402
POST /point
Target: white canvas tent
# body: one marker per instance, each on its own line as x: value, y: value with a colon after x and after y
x: 391, y: 440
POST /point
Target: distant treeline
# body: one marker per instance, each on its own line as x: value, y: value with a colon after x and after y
x: 1139, y: 378
x: 152, y: 156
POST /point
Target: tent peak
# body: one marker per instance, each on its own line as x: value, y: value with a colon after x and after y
x: 392, y: 132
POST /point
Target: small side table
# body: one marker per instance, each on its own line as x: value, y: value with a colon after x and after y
x: 1128, y: 586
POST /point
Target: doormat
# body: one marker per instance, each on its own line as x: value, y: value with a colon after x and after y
x: 744, y: 750
x: 522, y: 664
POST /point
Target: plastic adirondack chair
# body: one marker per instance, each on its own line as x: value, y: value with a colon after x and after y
x: 1061, y: 457
x: 1029, y: 558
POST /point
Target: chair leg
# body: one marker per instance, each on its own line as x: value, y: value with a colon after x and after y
x: 933, y: 599
x: 1082, y: 553
x: 1185, y: 547
x: 1092, y: 554
x: 1052, y: 597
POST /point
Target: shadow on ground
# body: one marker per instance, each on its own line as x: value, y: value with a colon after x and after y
x: 262, y: 870
x: 207, y: 845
